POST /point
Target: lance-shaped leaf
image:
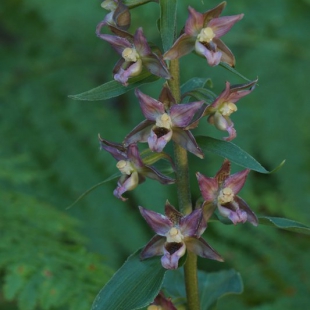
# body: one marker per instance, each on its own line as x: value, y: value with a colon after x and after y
x: 232, y: 152
x: 134, y: 285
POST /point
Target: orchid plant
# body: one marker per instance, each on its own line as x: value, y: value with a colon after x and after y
x: 170, y: 119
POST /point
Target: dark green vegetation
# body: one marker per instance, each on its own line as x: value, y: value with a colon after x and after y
x: 50, y: 155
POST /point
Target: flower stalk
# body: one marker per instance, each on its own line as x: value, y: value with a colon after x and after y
x: 184, y: 195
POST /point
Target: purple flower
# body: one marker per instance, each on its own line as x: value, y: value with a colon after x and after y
x: 162, y: 303
x: 221, y: 192
x: 136, y: 55
x: 224, y: 105
x: 165, y: 122
x: 202, y: 34
x: 132, y: 168
x: 176, y: 233
x: 119, y: 15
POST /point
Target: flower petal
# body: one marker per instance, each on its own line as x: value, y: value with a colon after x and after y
x: 134, y: 69
x: 140, y: 133
x: 227, y: 55
x: 158, y: 222
x: 236, y: 181
x: 172, y: 213
x: 118, y: 43
x: 173, y: 251
x: 158, y: 142
x: 208, y: 187
x: 232, y: 211
x: 222, y: 25
x: 223, y: 173
x: 186, y: 139
x: 213, y: 57
x: 213, y: 13
x: 153, y: 173
x: 182, y: 114
x: 189, y: 224
x: 154, y: 247
x: 201, y: 248
x: 151, y: 108
x: 141, y: 44
x: 117, y: 150
x: 129, y: 183
x: 134, y: 156
x: 251, y: 217
x: 181, y: 47
x: 194, y: 22
x: 156, y: 66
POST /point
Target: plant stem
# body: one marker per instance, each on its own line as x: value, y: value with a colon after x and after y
x: 184, y: 195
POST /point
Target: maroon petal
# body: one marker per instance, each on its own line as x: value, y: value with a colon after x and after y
x: 227, y: 56
x: 208, y: 187
x: 232, y: 211
x: 182, y: 114
x: 222, y: 25
x: 163, y: 302
x: 141, y: 44
x: 190, y: 223
x: 121, y: 16
x: 182, y: 46
x: 158, y: 222
x: 232, y: 132
x: 187, y: 141
x: 172, y: 213
x: 134, y: 156
x: 134, y: 69
x: 154, y: 247
x: 201, y: 248
x: 140, y: 133
x: 173, y: 251
x: 213, y: 57
x: 118, y: 43
x: 194, y: 22
x: 153, y: 173
x: 223, y: 173
x: 213, y: 13
x: 151, y: 108
x: 166, y: 97
x: 236, y: 181
x: 251, y: 217
x: 156, y: 142
x: 155, y: 66
x: 118, y: 151
x: 239, y: 91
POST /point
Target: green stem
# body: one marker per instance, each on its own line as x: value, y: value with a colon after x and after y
x: 184, y: 195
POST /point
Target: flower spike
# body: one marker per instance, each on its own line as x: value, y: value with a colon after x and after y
x: 175, y: 234
x: 133, y: 170
x: 202, y: 34
x: 136, y: 55
x: 164, y: 123
x: 221, y: 192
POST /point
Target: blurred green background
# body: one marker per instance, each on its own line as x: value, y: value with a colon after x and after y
x: 54, y: 258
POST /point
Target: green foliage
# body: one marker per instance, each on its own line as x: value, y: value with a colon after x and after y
x: 43, y: 259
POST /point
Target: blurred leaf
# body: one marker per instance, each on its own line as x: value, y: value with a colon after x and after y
x: 167, y: 23
x: 135, y: 3
x: 113, y: 88
x: 285, y: 224
x: 203, y: 94
x: 134, y: 285
x: 194, y: 83
x: 232, y: 152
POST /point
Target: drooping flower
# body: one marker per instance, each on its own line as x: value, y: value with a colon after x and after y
x: 221, y: 192
x: 136, y: 55
x: 224, y: 105
x: 202, y: 34
x: 133, y: 170
x: 165, y: 122
x: 119, y: 15
x: 161, y: 303
x: 176, y: 233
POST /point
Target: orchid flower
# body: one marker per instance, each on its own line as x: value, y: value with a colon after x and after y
x: 221, y: 192
x: 224, y: 105
x: 119, y: 15
x: 176, y: 233
x: 165, y: 122
x: 202, y: 34
x: 133, y: 170
x: 136, y: 55
x: 161, y: 303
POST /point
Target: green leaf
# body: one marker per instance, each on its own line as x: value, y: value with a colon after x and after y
x: 234, y: 71
x: 215, y: 285
x: 212, y: 286
x: 133, y: 286
x: 194, y: 83
x: 203, y: 94
x: 232, y: 152
x: 285, y: 224
x: 113, y: 88
x: 112, y: 177
x: 167, y: 23
x: 134, y: 3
